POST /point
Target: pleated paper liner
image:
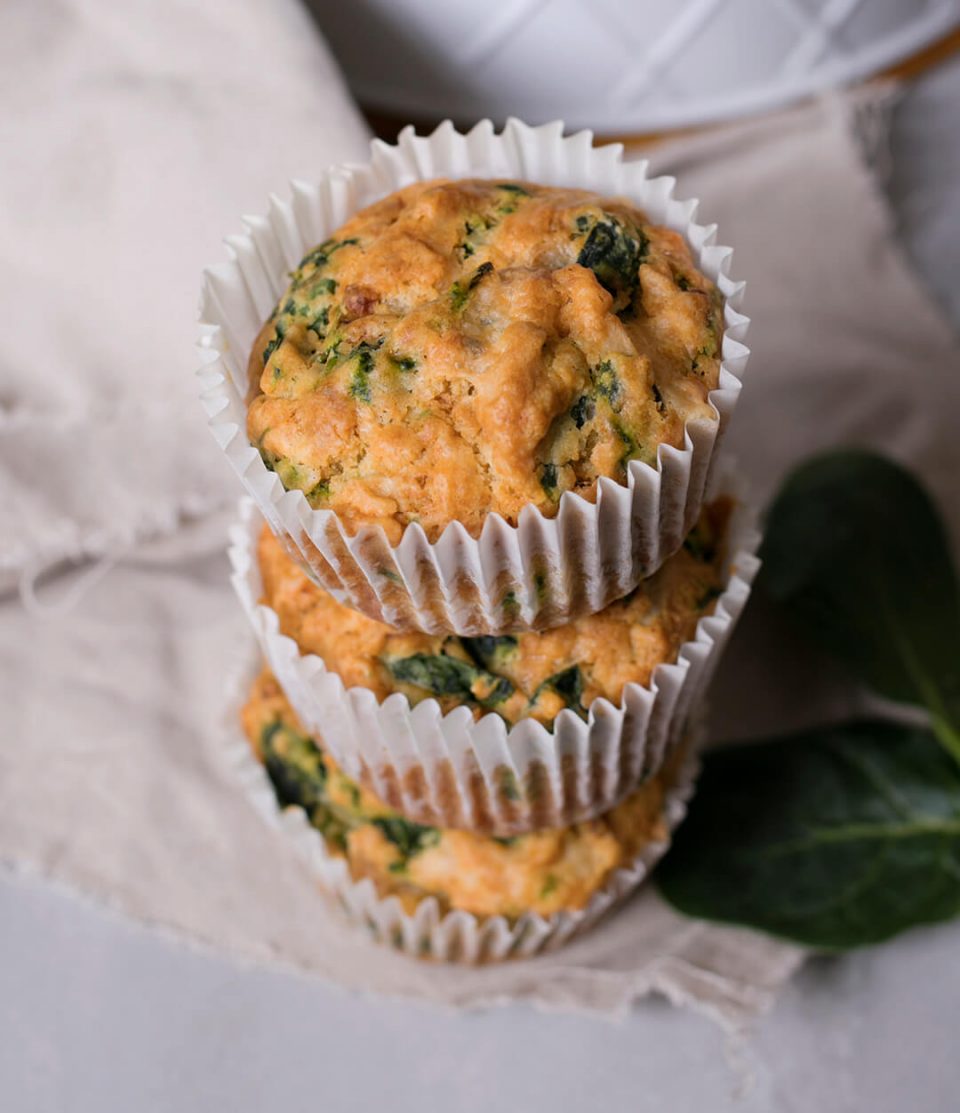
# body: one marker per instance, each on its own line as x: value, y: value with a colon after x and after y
x: 429, y: 931
x: 543, y: 571
x: 455, y: 771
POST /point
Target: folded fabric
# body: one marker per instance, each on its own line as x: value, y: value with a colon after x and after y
x: 133, y: 143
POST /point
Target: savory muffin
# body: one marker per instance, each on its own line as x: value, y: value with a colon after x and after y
x: 468, y: 347
x: 543, y: 872
x: 535, y: 674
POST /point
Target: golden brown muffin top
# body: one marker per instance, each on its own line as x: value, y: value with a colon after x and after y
x: 540, y: 872
x: 466, y: 347
x: 534, y: 674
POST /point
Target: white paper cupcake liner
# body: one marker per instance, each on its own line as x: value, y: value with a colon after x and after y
x: 428, y: 931
x: 542, y: 571
x: 454, y: 771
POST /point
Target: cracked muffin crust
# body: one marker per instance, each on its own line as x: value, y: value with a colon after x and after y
x: 467, y: 347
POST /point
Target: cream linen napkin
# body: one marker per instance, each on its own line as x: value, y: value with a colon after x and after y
x: 112, y: 777
x: 133, y: 135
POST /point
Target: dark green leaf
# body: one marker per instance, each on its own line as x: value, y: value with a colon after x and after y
x: 459, y: 293
x: 320, y: 321
x: 514, y: 193
x: 409, y: 838
x: 837, y: 838
x: 548, y: 479
x: 607, y: 382
x: 295, y: 766
x: 320, y: 255
x: 275, y: 343
x: 568, y: 685
x: 857, y: 554
x: 449, y: 676
x: 475, y: 231
x: 583, y: 410
x: 630, y: 446
x: 614, y: 255
x: 490, y: 652
x: 298, y: 774
x: 322, y: 286
x: 360, y: 382
x: 319, y: 492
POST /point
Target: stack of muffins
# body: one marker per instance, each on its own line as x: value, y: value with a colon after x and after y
x: 475, y: 390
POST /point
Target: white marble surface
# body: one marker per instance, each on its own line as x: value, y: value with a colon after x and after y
x: 98, y: 1014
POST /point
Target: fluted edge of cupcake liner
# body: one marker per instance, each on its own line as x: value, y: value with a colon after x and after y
x: 429, y: 931
x: 451, y: 770
x: 541, y: 571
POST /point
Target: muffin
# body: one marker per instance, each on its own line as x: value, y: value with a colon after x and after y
x: 529, y: 675
x: 463, y: 348
x: 476, y: 384
x: 544, y: 873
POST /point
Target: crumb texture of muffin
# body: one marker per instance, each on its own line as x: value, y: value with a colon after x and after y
x: 544, y: 872
x: 535, y: 674
x: 467, y: 347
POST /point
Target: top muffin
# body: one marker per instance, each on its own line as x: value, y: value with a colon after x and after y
x: 461, y: 348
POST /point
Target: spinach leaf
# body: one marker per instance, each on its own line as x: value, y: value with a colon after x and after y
x: 583, y: 410
x: 490, y: 651
x: 360, y: 381
x: 279, y: 333
x: 512, y: 200
x: 614, y: 255
x: 548, y: 479
x: 856, y: 553
x: 837, y: 837
x: 449, y: 676
x: 322, y: 286
x: 475, y: 230
x: 295, y: 766
x: 459, y: 293
x: 568, y: 685
x: 299, y: 777
x: 630, y: 446
x: 320, y: 255
x: 409, y: 838
x: 320, y: 322
x: 607, y: 383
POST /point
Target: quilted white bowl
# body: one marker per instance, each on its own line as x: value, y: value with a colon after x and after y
x: 618, y: 66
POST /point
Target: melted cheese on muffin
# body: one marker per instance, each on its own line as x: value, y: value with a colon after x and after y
x: 541, y: 872
x: 535, y: 674
x: 460, y: 348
